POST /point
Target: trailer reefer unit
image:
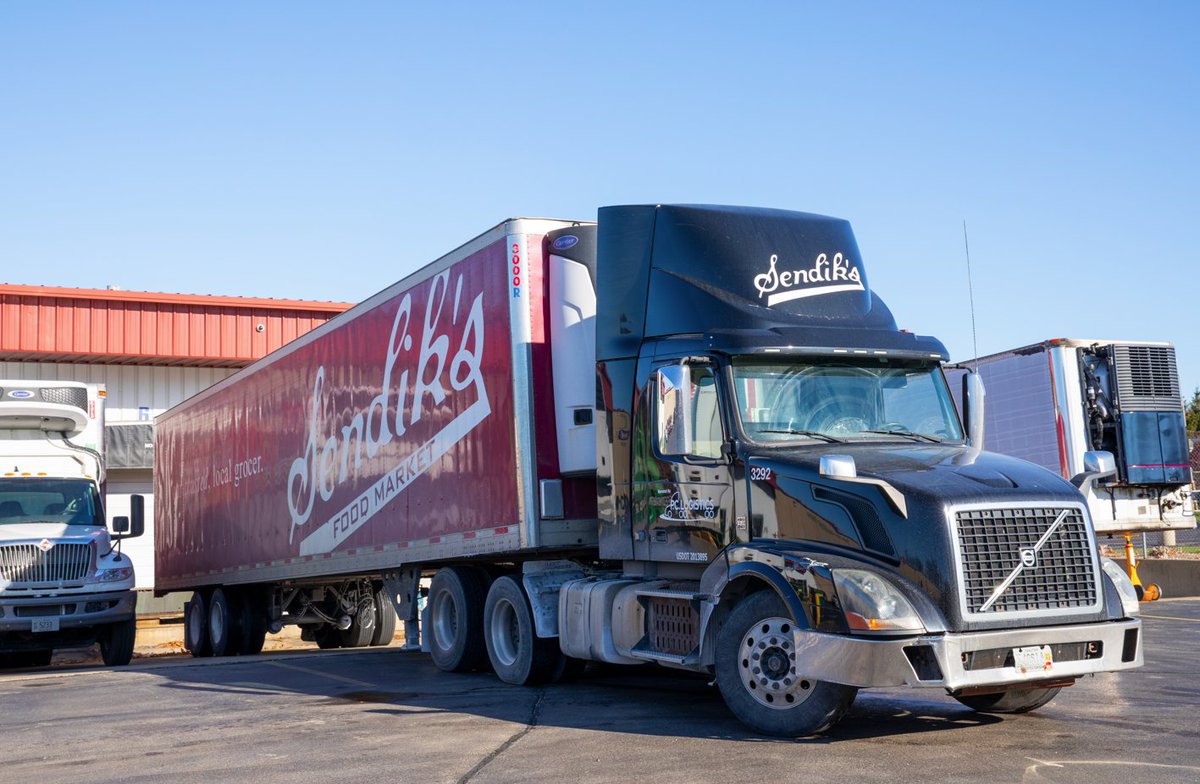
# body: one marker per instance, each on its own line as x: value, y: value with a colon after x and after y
x: 1052, y: 402
x: 689, y: 436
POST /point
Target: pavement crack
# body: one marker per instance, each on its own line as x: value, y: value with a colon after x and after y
x: 534, y: 714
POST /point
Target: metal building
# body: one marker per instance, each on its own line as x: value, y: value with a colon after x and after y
x: 151, y: 351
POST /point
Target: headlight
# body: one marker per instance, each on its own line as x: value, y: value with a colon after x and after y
x: 1129, y: 597
x: 872, y: 604
x: 113, y: 575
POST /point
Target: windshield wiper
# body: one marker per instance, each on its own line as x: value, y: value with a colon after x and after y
x: 810, y: 433
x: 909, y: 433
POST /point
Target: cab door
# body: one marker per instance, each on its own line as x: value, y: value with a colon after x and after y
x: 686, y: 499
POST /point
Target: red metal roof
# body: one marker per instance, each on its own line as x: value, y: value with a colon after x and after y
x: 48, y: 324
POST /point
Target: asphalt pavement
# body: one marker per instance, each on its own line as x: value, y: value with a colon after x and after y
x: 388, y: 715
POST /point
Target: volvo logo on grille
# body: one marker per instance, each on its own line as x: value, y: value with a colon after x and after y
x: 45, y: 545
x: 1029, y: 558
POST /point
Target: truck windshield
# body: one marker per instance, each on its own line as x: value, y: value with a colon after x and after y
x: 829, y: 400
x: 44, y: 499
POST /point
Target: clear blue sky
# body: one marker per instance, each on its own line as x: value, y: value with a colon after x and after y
x: 324, y: 150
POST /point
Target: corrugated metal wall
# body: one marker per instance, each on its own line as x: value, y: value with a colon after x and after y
x: 48, y: 324
x: 135, y: 393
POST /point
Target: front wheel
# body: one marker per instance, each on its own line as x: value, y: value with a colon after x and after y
x: 116, y: 643
x: 1011, y: 701
x: 760, y: 679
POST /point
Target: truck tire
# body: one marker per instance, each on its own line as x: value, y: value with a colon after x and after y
x: 455, y: 634
x: 758, y: 675
x: 116, y: 643
x: 195, y: 626
x: 362, y: 627
x: 385, y: 619
x: 517, y: 654
x: 224, y: 622
x: 254, y: 622
x: 1011, y: 701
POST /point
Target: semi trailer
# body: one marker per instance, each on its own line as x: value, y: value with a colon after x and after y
x: 1053, y: 402
x: 683, y: 436
x: 64, y: 582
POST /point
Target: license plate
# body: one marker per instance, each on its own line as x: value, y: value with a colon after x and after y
x: 45, y: 624
x: 1034, y: 659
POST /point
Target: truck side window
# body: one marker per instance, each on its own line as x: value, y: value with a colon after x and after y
x: 687, y: 415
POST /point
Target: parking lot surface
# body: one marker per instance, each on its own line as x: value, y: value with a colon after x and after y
x: 385, y: 714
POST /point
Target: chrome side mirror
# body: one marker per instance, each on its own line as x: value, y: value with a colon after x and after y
x: 1096, y: 465
x: 972, y: 396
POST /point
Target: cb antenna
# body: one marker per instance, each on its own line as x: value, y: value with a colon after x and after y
x: 970, y: 293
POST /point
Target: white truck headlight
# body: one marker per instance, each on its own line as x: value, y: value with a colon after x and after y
x: 872, y: 604
x: 1129, y: 597
x: 113, y: 575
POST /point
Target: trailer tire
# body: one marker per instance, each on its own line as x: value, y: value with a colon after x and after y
x: 195, y: 626
x: 362, y: 627
x: 116, y: 643
x: 455, y: 634
x: 224, y: 622
x: 1011, y: 701
x: 254, y: 622
x: 517, y: 654
x: 385, y: 619
x: 758, y: 676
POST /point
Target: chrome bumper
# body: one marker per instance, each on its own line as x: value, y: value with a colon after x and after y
x: 855, y: 661
x: 71, y: 610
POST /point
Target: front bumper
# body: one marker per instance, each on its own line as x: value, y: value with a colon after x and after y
x: 968, y: 661
x: 72, y: 610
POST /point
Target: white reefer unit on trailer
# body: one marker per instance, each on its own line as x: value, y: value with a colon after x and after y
x: 1052, y: 402
x: 64, y: 582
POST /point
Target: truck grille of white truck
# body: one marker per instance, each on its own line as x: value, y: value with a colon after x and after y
x: 27, y: 563
x: 1025, y: 561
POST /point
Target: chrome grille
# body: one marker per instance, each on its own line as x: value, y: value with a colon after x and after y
x: 1060, y: 577
x: 26, y: 563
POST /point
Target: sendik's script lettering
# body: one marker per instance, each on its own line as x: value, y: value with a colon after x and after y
x: 332, y: 456
x: 825, y: 276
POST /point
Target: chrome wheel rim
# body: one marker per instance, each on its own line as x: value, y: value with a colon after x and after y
x: 767, y: 665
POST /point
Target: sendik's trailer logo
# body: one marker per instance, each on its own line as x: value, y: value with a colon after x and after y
x: 825, y: 276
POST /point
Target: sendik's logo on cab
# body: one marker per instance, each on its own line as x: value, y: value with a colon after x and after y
x: 826, y: 276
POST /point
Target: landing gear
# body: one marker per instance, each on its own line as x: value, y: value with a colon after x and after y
x: 760, y: 678
x: 1145, y: 593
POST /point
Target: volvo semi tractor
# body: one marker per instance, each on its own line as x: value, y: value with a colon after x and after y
x: 680, y: 436
x: 64, y: 582
x: 1053, y: 402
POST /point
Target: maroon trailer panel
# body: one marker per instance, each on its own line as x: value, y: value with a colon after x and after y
x: 385, y: 434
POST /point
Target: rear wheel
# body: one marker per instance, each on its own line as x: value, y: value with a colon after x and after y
x: 224, y: 623
x: 760, y: 679
x: 195, y: 626
x: 362, y: 626
x: 254, y: 622
x: 456, y: 641
x: 385, y: 619
x: 1011, y: 701
x: 517, y: 654
x: 116, y: 643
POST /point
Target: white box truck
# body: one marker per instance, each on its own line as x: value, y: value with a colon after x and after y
x: 64, y: 582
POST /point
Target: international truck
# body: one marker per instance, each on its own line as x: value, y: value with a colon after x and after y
x: 64, y: 582
x: 684, y: 436
x: 1053, y: 402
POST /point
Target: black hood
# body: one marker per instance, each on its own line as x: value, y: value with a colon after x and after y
x: 894, y: 517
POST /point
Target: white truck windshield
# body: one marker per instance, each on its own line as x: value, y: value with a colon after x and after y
x: 839, y: 400
x: 45, y: 499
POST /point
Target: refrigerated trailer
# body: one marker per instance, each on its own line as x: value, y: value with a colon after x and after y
x: 687, y: 436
